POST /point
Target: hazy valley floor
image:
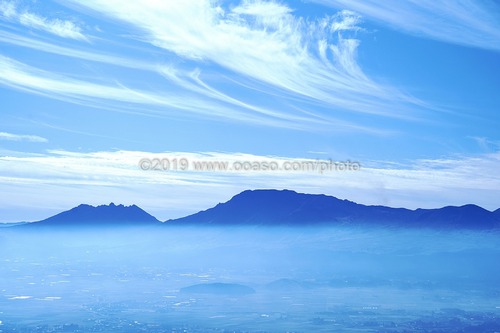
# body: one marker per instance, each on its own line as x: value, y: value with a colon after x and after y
x: 305, y: 280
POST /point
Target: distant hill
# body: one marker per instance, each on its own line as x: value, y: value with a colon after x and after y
x: 228, y: 289
x: 273, y: 207
x: 105, y: 215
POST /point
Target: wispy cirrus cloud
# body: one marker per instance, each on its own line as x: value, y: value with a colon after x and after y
x: 470, y: 23
x: 420, y: 183
x: 120, y: 98
x: 267, y: 43
x: 301, y: 73
x: 82, y: 54
x: 189, y: 81
x: 58, y: 27
x: 21, y: 137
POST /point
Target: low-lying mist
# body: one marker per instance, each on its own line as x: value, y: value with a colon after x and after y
x: 297, y: 275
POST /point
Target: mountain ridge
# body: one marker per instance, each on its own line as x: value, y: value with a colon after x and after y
x: 282, y: 207
x: 292, y: 208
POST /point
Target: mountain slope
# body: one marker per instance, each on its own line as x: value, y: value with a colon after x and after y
x: 291, y: 208
x: 104, y: 215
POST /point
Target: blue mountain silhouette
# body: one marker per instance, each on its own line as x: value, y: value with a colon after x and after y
x: 104, y: 215
x: 291, y: 208
x: 285, y: 207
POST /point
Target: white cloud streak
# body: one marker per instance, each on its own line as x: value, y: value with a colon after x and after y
x: 121, y: 98
x: 468, y: 22
x: 264, y: 41
x: 58, y: 27
x: 15, y: 39
x: 306, y: 69
x: 21, y: 137
x: 190, y: 81
x: 195, y: 99
x: 55, y: 174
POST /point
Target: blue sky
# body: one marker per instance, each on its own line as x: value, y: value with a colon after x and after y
x: 88, y: 88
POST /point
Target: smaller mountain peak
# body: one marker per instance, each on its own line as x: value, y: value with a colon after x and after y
x: 108, y: 215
